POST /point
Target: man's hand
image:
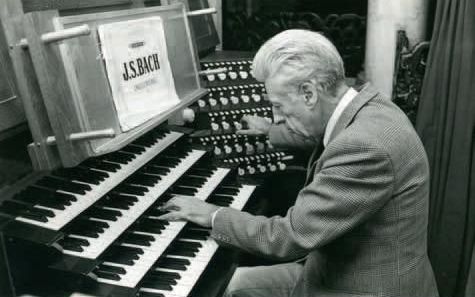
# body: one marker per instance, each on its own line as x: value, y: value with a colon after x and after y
x: 256, y: 125
x: 188, y: 209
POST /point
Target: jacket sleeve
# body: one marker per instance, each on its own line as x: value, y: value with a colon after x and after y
x: 352, y: 184
x: 281, y: 136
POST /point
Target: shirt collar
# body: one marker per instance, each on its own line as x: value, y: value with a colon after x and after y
x: 345, y: 100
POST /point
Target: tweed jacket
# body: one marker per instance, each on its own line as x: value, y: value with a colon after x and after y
x: 361, y: 220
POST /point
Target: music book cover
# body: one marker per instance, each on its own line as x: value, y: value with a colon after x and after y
x: 139, y: 73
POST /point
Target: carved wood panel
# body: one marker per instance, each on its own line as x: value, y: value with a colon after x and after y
x: 409, y: 73
x: 242, y: 31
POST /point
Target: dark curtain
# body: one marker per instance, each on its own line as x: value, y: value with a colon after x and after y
x: 446, y: 125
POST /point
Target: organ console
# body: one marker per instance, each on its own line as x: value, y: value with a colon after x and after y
x: 93, y: 226
x: 104, y: 215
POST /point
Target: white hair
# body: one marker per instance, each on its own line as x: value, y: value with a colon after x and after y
x: 309, y: 54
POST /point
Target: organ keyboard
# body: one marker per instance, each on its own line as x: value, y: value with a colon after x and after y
x: 67, y: 192
x: 181, y: 265
x: 103, y: 217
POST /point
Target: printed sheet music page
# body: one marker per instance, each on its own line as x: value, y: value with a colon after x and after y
x: 139, y: 73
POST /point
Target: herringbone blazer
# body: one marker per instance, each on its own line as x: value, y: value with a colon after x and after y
x: 361, y: 220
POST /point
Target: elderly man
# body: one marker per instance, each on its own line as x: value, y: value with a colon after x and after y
x: 360, y: 223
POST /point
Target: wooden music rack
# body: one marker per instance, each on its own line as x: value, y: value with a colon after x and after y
x: 73, y: 116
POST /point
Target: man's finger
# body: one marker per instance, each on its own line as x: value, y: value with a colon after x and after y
x: 172, y: 216
x: 246, y: 118
x: 170, y: 205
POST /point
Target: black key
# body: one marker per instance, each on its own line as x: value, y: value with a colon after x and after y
x: 169, y: 260
x: 230, y: 182
x: 49, y: 194
x: 113, y: 203
x: 138, y: 239
x: 227, y: 191
x: 180, y: 190
x: 101, y: 165
x: 86, y: 228
x: 44, y: 201
x: 157, y: 170
x: 111, y: 269
x: 221, y: 198
x: 188, y: 244
x: 165, y: 278
x: 155, y: 212
x: 78, y: 241
x: 107, y: 275
x: 222, y: 203
x: 133, y: 149
x: 101, y: 213
x: 166, y: 162
x: 165, y: 274
x: 62, y: 184
x: 149, y: 294
x: 20, y: 211
x: 155, y: 285
x: 147, y: 140
x: 151, y: 224
x: 200, y: 172
x: 178, y: 150
x: 131, y: 189
x: 193, y: 181
x: 72, y: 247
x: 121, y: 197
x: 172, y: 263
x: 29, y: 208
x: 94, y: 172
x: 158, y: 280
x: 172, y: 266
x: 148, y: 229
x: 181, y: 252
x: 73, y: 244
x: 122, y: 254
x: 83, y: 175
x: 165, y: 197
x: 143, y: 179
x: 118, y: 157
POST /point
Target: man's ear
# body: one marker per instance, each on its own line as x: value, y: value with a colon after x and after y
x: 309, y: 92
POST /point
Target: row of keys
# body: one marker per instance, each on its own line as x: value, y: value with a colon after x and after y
x: 258, y: 88
x: 100, y: 225
x: 147, y: 239
x: 55, y: 199
x: 226, y: 122
x: 260, y: 164
x: 177, y: 271
x: 235, y: 70
x: 231, y: 102
x: 238, y: 147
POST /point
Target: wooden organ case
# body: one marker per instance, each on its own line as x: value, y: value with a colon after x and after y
x: 86, y: 221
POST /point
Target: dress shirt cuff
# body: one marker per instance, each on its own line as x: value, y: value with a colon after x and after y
x: 213, y: 216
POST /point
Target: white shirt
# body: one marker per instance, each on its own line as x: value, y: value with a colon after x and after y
x: 345, y: 100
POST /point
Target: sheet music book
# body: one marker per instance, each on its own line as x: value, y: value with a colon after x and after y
x: 139, y: 73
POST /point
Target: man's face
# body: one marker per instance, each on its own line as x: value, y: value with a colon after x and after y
x: 300, y: 116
